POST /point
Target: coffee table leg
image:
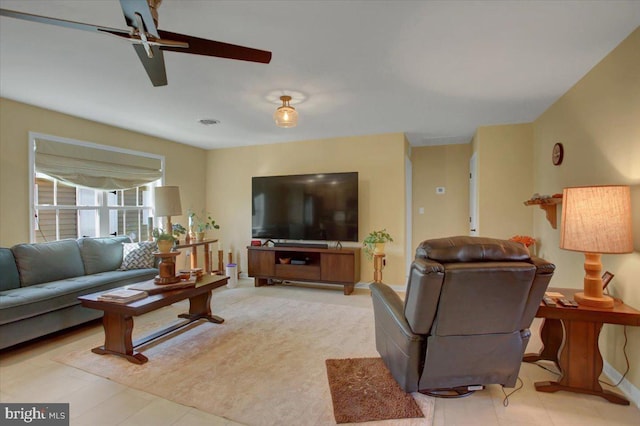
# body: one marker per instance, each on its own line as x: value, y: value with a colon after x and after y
x: 200, y: 308
x: 117, y: 338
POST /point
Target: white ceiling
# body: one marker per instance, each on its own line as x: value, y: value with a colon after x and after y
x: 435, y: 70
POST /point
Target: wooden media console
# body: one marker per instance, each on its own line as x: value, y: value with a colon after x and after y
x: 322, y: 265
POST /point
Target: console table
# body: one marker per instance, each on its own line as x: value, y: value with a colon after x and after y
x: 323, y: 265
x: 570, y: 339
x: 193, y: 244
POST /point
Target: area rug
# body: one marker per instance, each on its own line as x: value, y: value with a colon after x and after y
x: 265, y: 365
x: 362, y: 390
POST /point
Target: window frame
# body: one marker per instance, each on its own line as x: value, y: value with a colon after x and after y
x: 103, y: 205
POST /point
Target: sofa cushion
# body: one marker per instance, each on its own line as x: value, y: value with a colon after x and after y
x: 38, y: 299
x: 9, y: 277
x: 44, y: 262
x: 138, y: 255
x: 101, y: 254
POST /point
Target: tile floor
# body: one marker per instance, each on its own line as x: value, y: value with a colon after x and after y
x: 27, y: 374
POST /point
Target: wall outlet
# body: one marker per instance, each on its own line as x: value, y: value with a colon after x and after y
x: 421, y: 210
x: 440, y: 190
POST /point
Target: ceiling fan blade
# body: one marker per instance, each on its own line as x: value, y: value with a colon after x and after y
x: 62, y: 22
x: 201, y: 46
x: 154, y: 66
x: 132, y: 7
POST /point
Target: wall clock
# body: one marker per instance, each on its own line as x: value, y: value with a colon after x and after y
x: 557, y: 154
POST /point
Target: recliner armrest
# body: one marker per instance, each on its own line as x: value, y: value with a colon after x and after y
x: 398, y: 346
x: 394, y: 307
x: 544, y: 273
x: 425, y: 266
x: 423, y: 293
x: 543, y: 266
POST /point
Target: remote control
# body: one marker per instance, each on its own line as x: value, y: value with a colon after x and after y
x: 567, y: 303
x: 548, y: 301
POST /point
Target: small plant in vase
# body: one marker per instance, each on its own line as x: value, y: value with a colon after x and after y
x: 375, y: 241
x: 199, y: 224
x: 163, y: 239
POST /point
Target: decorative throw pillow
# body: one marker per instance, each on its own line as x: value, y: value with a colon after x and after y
x: 138, y: 255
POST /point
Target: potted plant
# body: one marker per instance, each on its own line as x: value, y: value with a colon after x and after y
x: 199, y: 224
x: 375, y: 241
x: 163, y: 239
x: 177, y: 231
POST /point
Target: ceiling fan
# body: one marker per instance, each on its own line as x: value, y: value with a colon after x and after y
x: 149, y: 42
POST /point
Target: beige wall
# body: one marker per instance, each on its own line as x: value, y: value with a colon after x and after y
x: 185, y: 165
x: 598, y: 122
x: 444, y: 214
x: 379, y: 160
x: 505, y: 179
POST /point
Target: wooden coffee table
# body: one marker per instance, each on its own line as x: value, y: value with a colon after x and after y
x: 118, y: 318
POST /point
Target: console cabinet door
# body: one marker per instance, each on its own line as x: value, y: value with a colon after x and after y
x: 261, y: 263
x: 337, y: 267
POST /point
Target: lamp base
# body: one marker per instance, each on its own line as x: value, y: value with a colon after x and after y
x: 167, y: 268
x: 595, y: 302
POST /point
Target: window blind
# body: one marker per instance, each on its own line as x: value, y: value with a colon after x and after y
x: 94, y: 167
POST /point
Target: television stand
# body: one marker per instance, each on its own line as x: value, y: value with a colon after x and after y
x: 309, y: 264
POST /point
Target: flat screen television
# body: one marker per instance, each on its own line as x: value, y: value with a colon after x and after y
x: 306, y: 207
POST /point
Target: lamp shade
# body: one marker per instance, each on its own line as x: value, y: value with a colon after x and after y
x: 286, y: 115
x: 167, y: 201
x: 597, y: 219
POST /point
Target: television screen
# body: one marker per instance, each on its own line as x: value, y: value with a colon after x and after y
x: 306, y: 207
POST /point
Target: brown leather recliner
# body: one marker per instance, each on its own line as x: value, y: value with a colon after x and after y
x: 465, y: 320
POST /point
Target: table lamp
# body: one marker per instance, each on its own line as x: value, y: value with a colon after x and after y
x: 596, y: 220
x: 167, y: 204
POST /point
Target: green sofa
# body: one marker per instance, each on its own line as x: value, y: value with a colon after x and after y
x: 40, y: 283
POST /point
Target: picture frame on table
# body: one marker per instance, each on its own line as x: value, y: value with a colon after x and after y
x: 606, y: 279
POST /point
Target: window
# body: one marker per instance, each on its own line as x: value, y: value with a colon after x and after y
x: 64, y: 211
x: 64, y: 208
x: 56, y: 211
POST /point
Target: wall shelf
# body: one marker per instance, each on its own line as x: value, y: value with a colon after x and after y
x: 549, y: 205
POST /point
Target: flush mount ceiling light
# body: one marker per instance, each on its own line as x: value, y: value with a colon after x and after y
x: 286, y: 115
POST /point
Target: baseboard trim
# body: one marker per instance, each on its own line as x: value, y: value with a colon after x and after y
x: 626, y: 387
x: 395, y: 287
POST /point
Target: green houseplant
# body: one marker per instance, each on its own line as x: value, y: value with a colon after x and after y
x: 199, y: 224
x: 374, y: 242
x: 163, y: 239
